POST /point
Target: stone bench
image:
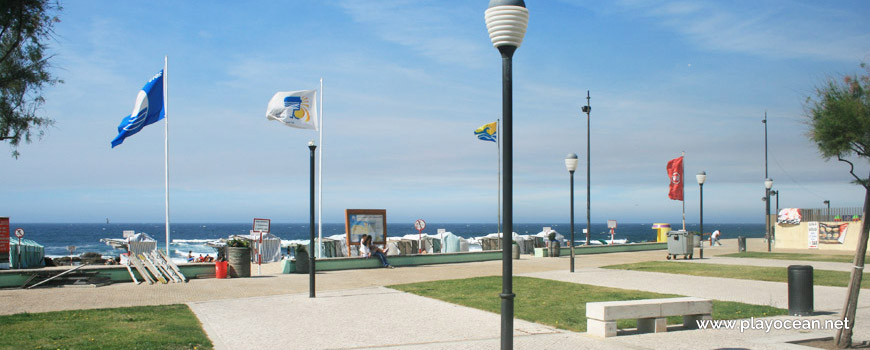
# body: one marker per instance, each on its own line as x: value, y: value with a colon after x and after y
x: 651, y: 314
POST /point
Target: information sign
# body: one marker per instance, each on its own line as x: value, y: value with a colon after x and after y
x: 262, y: 225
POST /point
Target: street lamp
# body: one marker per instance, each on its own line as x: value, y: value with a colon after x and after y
x: 587, y: 109
x: 312, y: 147
x: 776, y: 209
x: 768, y: 183
x: 506, y: 21
x: 702, y: 176
x: 828, y: 214
x: 571, y: 165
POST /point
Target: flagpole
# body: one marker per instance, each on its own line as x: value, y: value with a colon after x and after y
x: 683, y: 184
x: 166, y: 141
x: 498, y: 150
x: 320, y: 176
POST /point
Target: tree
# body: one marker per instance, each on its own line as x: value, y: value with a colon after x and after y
x: 839, y: 119
x: 25, y: 27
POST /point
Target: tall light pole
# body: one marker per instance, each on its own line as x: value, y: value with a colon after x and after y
x: 587, y: 109
x: 828, y: 214
x: 701, y: 177
x: 776, y: 209
x: 768, y: 183
x: 571, y: 164
x: 312, y: 147
x: 506, y: 21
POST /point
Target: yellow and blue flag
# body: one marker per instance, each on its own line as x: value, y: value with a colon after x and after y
x: 487, y: 132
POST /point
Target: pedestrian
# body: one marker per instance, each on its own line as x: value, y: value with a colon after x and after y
x: 714, y: 238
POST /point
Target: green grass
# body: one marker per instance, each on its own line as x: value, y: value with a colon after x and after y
x: 141, y: 327
x: 795, y: 256
x: 558, y: 304
x: 758, y: 273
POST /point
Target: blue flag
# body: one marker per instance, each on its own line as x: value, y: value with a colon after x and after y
x: 147, y: 110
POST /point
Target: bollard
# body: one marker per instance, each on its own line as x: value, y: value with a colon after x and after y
x: 800, y: 290
x: 741, y: 244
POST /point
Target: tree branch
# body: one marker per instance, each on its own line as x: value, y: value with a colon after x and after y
x: 852, y: 171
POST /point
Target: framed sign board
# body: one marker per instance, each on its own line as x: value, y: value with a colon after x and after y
x: 263, y: 225
x: 358, y: 222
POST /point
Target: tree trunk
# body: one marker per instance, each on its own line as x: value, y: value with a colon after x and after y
x: 844, y: 335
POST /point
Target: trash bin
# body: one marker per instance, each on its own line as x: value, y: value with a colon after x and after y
x: 741, y: 244
x: 220, y: 269
x: 680, y: 243
x: 800, y: 290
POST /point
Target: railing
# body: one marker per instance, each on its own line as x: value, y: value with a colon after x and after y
x: 833, y: 214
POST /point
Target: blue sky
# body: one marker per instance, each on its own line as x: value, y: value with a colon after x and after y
x: 405, y: 85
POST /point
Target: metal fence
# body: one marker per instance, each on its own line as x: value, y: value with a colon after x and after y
x: 833, y: 214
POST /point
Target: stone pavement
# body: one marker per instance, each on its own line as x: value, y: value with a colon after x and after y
x: 353, y: 310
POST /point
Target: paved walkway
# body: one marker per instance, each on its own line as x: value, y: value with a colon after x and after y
x: 817, y: 265
x: 353, y: 310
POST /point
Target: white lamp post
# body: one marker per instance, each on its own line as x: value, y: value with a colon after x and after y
x: 571, y: 165
x: 768, y: 183
x: 506, y: 21
x: 701, y: 177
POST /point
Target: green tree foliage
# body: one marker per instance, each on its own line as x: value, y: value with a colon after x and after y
x: 840, y: 119
x: 25, y: 28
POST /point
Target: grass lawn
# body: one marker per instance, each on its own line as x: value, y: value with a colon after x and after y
x: 558, y: 304
x: 141, y: 327
x: 758, y: 273
x: 795, y: 256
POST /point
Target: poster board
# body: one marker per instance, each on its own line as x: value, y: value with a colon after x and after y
x: 813, y: 235
x: 4, y: 241
x: 365, y: 221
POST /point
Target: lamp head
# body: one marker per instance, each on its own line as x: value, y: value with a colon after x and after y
x: 702, y: 176
x: 571, y: 162
x: 506, y: 21
x: 768, y: 183
x: 586, y: 109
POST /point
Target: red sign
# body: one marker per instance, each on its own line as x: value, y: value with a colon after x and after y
x: 4, y: 239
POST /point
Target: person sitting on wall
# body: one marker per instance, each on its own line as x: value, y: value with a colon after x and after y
x: 367, y: 249
x: 190, y: 256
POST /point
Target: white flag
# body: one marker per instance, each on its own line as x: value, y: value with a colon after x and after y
x: 297, y: 109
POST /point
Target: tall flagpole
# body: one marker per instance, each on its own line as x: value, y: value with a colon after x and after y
x: 683, y: 184
x: 166, y: 141
x: 320, y: 176
x: 498, y: 150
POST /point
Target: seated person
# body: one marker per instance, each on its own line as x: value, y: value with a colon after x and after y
x: 190, y: 256
x: 367, y: 249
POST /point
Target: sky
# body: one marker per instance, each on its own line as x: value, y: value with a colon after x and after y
x: 405, y: 83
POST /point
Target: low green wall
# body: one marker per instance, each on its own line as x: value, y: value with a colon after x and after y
x: 328, y: 264
x: 331, y: 264
x: 15, y: 278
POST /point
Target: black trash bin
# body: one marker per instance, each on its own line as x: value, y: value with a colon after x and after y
x: 741, y: 244
x: 800, y: 290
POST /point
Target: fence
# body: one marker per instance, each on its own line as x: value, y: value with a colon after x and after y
x: 833, y: 214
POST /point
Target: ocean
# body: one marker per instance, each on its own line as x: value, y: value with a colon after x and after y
x: 188, y: 237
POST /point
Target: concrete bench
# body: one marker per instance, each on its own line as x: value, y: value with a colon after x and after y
x: 651, y: 314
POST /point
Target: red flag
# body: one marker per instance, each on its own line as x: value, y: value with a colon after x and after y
x: 675, y: 173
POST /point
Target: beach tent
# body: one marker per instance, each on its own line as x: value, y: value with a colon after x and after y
x: 141, y: 243
x: 270, y: 249
x: 32, y: 254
